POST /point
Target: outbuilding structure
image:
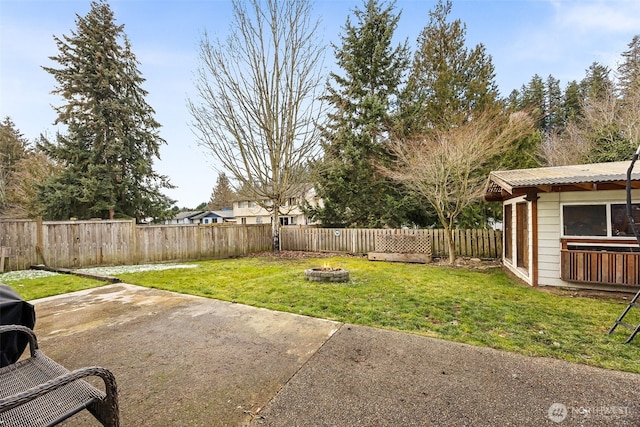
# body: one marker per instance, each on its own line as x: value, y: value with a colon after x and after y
x: 568, y: 225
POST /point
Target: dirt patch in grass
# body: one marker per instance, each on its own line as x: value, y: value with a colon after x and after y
x: 468, y: 263
x: 585, y: 293
x: 461, y: 262
x: 302, y: 255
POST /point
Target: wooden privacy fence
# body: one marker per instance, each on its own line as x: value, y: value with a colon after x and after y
x: 72, y: 244
x: 468, y: 243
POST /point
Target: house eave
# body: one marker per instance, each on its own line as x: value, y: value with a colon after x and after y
x: 505, y: 185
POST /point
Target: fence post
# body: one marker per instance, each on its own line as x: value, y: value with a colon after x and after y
x: 199, y: 239
x: 40, y: 240
x: 4, y: 252
x: 135, y: 256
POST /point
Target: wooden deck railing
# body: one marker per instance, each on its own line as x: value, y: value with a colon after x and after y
x: 602, y: 267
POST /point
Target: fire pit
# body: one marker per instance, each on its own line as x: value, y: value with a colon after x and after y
x: 327, y: 274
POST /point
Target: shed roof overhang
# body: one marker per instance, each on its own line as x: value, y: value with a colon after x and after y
x: 504, y: 185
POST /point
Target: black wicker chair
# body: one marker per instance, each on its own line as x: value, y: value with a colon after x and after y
x: 37, y: 391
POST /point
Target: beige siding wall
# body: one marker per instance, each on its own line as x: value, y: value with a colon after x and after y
x: 249, y: 215
x: 550, y: 227
x: 549, y: 240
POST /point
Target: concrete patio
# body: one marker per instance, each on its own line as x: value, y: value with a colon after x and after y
x: 188, y: 361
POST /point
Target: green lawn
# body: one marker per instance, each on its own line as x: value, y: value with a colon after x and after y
x: 480, y: 308
x: 33, y: 284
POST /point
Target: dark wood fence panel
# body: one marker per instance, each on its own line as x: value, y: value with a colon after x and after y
x: 468, y: 243
x: 609, y: 268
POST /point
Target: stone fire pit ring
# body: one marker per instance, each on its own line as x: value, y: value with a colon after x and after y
x: 322, y: 274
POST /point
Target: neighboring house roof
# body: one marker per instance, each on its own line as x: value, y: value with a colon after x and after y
x: 186, y: 214
x: 590, y: 177
x: 204, y: 214
x: 225, y: 213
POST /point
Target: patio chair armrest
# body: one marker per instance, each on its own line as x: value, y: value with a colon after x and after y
x: 62, y: 380
x: 33, y: 341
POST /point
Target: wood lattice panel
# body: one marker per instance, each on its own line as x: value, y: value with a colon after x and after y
x: 403, y: 244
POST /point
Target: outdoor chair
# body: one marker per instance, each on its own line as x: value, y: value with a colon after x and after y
x: 36, y: 391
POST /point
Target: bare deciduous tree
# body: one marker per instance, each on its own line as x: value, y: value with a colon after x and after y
x: 443, y: 166
x: 608, y: 130
x: 31, y: 170
x: 257, y: 106
x: 558, y: 149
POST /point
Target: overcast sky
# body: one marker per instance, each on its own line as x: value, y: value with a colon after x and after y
x: 524, y: 38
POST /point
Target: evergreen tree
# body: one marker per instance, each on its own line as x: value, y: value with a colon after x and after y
x: 13, y: 145
x: 362, y: 99
x: 13, y: 148
x: 22, y: 169
x: 554, y: 120
x: 597, y: 82
x: 449, y: 82
x: 533, y: 97
x: 222, y: 195
x: 572, y: 104
x: 629, y: 70
x: 629, y: 93
x: 112, y: 138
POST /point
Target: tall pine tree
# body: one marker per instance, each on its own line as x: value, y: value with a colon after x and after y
x: 13, y: 148
x: 449, y: 82
x: 222, y: 195
x: 597, y: 83
x: 449, y: 85
x: 629, y: 70
x: 629, y: 90
x: 362, y: 99
x: 572, y: 102
x: 112, y: 137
